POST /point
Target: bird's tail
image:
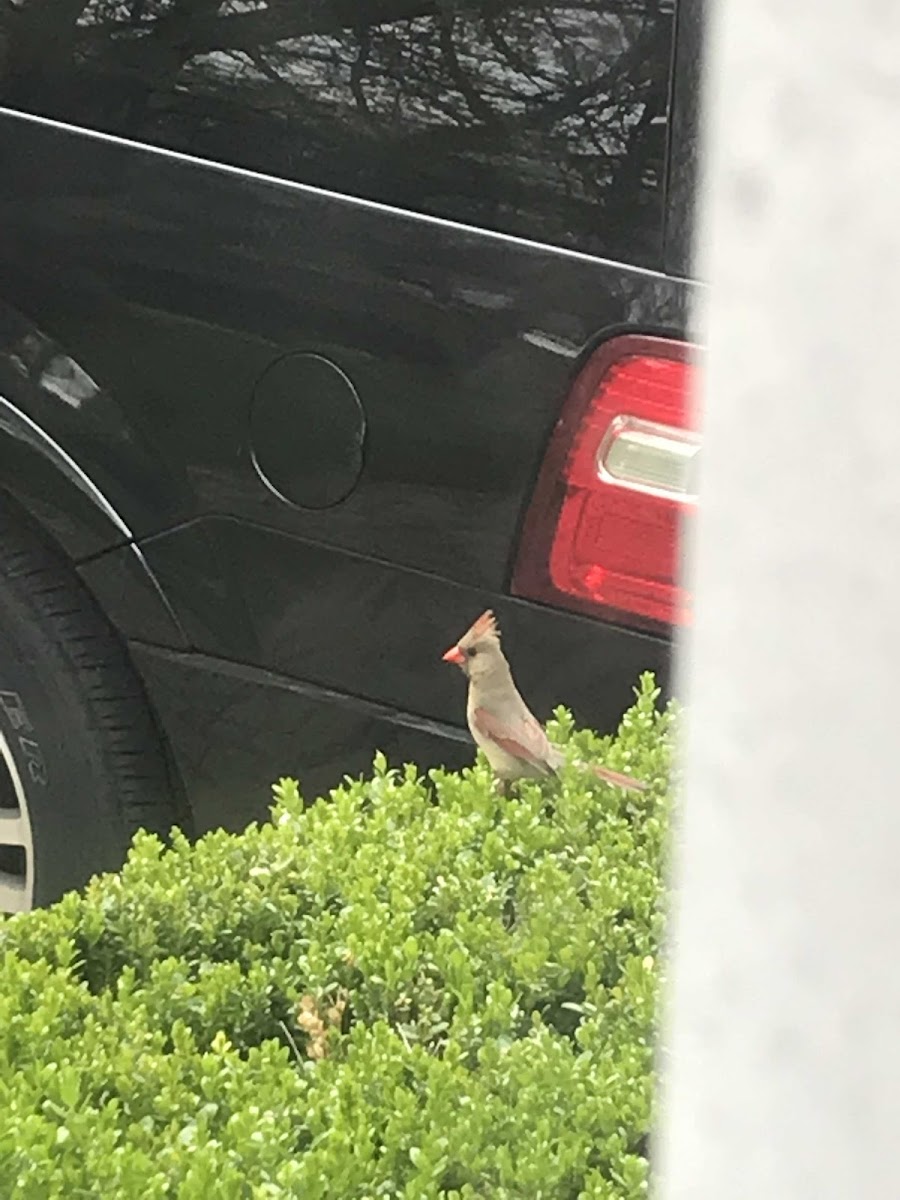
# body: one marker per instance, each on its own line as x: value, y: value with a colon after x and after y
x: 617, y: 779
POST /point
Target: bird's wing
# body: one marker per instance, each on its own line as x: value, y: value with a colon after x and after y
x: 525, y: 739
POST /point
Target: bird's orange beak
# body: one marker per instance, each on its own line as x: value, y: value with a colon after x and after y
x: 454, y: 655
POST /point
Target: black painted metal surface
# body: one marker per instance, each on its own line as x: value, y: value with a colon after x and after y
x: 144, y: 296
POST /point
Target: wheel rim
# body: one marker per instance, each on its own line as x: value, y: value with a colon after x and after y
x: 16, y: 847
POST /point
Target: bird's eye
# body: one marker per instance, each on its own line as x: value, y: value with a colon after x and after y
x: 472, y: 651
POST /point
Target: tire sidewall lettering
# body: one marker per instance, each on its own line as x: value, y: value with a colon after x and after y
x: 13, y: 710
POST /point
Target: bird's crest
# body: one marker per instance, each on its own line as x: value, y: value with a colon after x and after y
x: 485, y: 626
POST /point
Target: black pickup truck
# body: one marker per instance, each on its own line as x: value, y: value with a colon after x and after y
x: 325, y: 325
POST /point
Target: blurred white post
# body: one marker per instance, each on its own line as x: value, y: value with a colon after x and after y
x: 783, y: 1036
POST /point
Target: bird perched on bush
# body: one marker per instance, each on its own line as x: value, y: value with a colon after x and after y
x: 513, y: 740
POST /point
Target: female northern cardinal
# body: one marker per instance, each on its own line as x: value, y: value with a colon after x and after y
x: 513, y: 740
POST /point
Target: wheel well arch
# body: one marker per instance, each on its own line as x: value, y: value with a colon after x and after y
x: 57, y: 494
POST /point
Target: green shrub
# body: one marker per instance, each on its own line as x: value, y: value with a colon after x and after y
x: 415, y: 988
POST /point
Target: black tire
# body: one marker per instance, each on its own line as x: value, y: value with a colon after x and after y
x: 82, y: 766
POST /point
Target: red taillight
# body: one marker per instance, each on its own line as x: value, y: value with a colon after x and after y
x: 603, y: 530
